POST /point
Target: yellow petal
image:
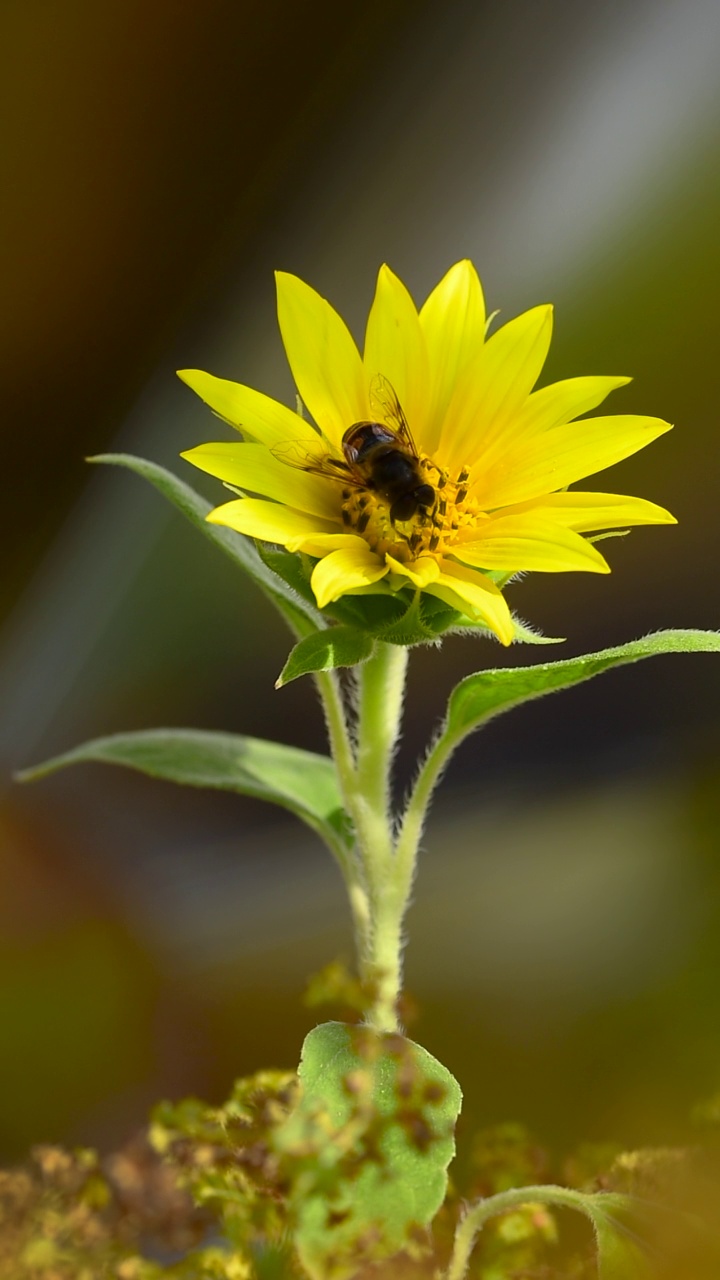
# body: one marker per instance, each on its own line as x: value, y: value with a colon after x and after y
x: 550, y: 407
x: 560, y: 402
x: 395, y: 347
x: 495, y: 386
x: 321, y: 352
x: 530, y: 542
x: 253, y: 413
x: 453, y: 322
x: 472, y: 593
x: 420, y: 572
x: 253, y: 467
x: 318, y: 544
x: 269, y: 521
x: 589, y: 511
x: 341, y: 571
x: 560, y: 457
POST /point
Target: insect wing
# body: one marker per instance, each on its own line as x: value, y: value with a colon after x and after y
x: 382, y: 394
x: 295, y: 453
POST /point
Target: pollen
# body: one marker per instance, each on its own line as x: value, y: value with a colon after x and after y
x: 431, y: 530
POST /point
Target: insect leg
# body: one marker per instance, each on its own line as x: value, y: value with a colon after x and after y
x: 463, y: 477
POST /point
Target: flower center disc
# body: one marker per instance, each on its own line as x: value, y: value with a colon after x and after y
x: 430, y: 530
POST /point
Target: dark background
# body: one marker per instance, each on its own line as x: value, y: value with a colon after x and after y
x: 159, y: 161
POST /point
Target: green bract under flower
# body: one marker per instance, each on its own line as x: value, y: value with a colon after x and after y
x: 431, y: 462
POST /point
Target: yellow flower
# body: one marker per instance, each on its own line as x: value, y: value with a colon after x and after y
x: 487, y: 460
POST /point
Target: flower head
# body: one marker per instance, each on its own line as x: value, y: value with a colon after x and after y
x: 431, y: 462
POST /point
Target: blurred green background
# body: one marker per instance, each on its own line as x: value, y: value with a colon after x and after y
x: 160, y: 160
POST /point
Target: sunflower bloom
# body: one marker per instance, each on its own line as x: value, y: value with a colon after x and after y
x: 487, y: 460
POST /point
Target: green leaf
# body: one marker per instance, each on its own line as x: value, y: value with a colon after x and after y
x: 423, y: 622
x: 621, y: 1251
x: 292, y: 567
x: 406, y: 617
x: 299, y: 612
x: 625, y: 1228
x: 479, y: 697
x: 373, y: 611
x: 368, y: 1147
x: 523, y: 633
x: 300, y: 781
x: 325, y: 650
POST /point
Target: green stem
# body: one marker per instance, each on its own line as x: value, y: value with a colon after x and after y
x: 377, y: 883
x: 384, y: 971
x: 381, y: 687
x: 328, y: 687
x: 413, y: 820
x: 480, y: 1213
x: 380, y: 692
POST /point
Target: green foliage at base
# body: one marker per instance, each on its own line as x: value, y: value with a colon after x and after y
x: 219, y: 1193
x: 371, y: 1140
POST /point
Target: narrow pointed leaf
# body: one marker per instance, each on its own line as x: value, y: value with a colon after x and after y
x: 487, y: 693
x: 293, y: 568
x: 623, y: 1247
x: 301, y: 781
x: 299, y: 613
x: 325, y: 650
x: 424, y: 621
x: 527, y: 635
x: 404, y: 617
x: 523, y: 634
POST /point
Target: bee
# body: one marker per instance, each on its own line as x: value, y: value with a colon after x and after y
x: 379, y: 456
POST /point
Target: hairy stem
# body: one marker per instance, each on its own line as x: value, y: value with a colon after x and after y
x: 381, y: 687
x: 380, y: 692
x: 328, y: 687
x: 413, y: 820
x: 480, y: 1213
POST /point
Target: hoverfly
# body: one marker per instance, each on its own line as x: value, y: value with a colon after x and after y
x: 379, y: 456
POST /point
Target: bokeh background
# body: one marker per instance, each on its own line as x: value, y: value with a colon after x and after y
x: 160, y: 159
